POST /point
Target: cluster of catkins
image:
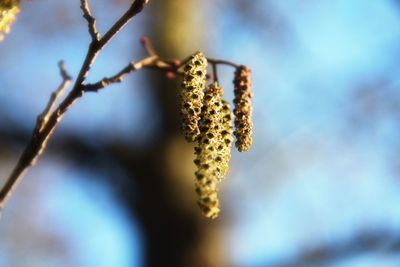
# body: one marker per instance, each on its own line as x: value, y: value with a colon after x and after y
x: 207, y: 120
x: 8, y: 11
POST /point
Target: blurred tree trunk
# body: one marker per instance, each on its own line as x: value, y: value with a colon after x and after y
x: 174, y: 232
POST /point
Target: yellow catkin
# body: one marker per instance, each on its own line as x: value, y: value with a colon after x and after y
x: 192, y: 95
x: 207, y: 174
x: 224, y: 147
x: 243, y: 108
x: 8, y: 11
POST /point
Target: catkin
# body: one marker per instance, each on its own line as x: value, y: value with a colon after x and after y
x: 225, y: 135
x: 243, y: 108
x: 192, y: 95
x: 8, y: 11
x: 208, y: 173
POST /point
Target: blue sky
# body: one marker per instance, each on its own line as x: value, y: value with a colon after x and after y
x: 329, y: 184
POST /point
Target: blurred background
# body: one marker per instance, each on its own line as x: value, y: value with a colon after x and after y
x: 319, y: 187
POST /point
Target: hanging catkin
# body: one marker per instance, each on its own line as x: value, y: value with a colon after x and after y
x: 225, y: 136
x: 243, y: 108
x: 208, y: 169
x: 192, y: 95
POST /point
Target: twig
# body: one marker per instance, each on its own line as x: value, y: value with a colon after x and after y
x: 215, y: 75
x: 66, y: 80
x: 148, y: 46
x: 146, y: 62
x: 90, y: 20
x: 151, y: 62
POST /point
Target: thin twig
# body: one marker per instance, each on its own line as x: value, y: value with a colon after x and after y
x: 147, y: 44
x: 215, y: 75
x: 66, y: 80
x: 117, y: 78
x: 87, y: 14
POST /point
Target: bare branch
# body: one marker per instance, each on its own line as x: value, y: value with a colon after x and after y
x: 87, y: 14
x: 117, y: 78
x: 151, y: 62
x: 66, y: 80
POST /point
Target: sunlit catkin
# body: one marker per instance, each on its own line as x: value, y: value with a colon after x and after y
x: 225, y: 135
x: 243, y: 108
x: 192, y: 95
x: 208, y: 169
x: 8, y: 11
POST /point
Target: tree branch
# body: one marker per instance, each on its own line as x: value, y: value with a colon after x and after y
x: 87, y: 14
x: 151, y: 62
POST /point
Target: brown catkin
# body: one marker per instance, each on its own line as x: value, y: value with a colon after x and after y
x: 243, y: 108
x: 225, y: 135
x: 8, y: 11
x: 207, y: 174
x: 192, y: 95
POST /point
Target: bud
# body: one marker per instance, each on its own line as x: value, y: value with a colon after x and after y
x: 170, y: 75
x: 8, y: 11
x: 192, y: 95
x: 243, y: 108
x: 144, y: 39
x: 176, y: 63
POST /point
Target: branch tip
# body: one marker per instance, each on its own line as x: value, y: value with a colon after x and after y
x: 63, y: 72
x: 87, y: 14
x: 66, y: 80
x: 147, y: 44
